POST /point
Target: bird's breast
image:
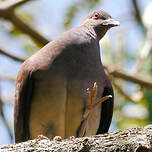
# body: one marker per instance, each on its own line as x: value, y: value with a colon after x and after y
x: 59, y: 99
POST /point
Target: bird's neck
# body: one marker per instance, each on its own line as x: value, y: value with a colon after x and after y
x: 94, y: 33
x: 90, y: 32
x: 100, y: 32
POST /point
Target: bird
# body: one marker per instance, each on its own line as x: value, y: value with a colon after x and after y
x: 56, y: 84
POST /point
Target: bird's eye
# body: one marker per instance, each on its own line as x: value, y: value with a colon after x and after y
x: 96, y: 16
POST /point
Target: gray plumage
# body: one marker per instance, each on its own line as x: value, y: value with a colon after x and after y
x: 51, y: 86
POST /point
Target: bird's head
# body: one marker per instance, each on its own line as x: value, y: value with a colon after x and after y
x: 101, y: 21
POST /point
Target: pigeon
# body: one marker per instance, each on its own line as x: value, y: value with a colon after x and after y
x: 58, y: 87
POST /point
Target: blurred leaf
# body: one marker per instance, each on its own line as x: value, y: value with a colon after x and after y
x: 70, y: 15
x: 148, y: 96
x: 25, y: 16
x: 150, y: 69
x: 77, y: 7
x: 92, y: 3
x: 30, y: 49
x: 1, y: 104
x: 15, y: 31
x: 118, y: 114
x: 131, y: 123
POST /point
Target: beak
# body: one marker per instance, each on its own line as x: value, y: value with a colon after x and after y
x: 110, y: 22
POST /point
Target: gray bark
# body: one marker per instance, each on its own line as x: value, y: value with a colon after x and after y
x: 131, y: 140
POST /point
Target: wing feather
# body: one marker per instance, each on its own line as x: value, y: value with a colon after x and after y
x: 106, y: 111
x: 23, y: 92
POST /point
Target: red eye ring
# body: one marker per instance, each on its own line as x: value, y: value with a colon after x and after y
x: 96, y: 15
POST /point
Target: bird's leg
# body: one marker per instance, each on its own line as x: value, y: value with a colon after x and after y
x: 91, y: 104
x: 90, y: 100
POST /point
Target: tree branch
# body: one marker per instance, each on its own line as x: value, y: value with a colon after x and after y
x: 28, y: 30
x: 137, y: 12
x: 11, y: 56
x: 6, y: 124
x: 144, y: 53
x: 7, y: 78
x: 18, y: 3
x: 143, y: 82
x: 120, y: 90
x: 133, y: 140
x: 12, y: 4
x: 10, y: 15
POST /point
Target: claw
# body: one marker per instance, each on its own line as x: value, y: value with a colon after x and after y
x: 95, y: 88
x: 101, y: 100
x: 88, y: 98
x: 91, y: 104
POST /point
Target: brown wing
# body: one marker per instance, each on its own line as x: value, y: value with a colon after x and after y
x: 24, y: 88
x: 106, y: 111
